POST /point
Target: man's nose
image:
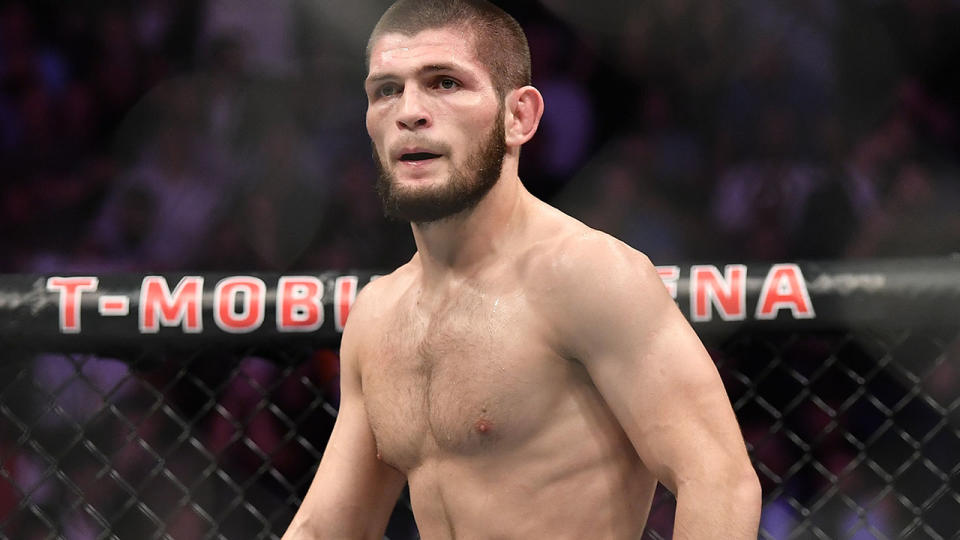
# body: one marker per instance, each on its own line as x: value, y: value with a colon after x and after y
x: 412, y: 114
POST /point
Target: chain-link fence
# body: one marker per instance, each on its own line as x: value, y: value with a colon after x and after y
x: 204, y: 446
x: 854, y: 432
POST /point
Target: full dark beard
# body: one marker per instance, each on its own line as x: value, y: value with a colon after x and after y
x: 462, y: 191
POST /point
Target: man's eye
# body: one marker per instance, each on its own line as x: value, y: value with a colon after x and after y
x: 448, y: 84
x: 387, y: 90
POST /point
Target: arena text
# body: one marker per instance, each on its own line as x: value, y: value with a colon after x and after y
x: 239, y: 304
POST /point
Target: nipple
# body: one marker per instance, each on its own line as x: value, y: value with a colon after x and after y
x: 483, y: 425
x: 379, y: 456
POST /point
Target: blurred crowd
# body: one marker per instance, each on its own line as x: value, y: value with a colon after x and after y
x: 174, y: 135
x: 768, y: 130
x: 182, y: 135
x: 143, y: 137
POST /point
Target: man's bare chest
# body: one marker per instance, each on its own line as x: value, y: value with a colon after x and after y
x: 471, y: 377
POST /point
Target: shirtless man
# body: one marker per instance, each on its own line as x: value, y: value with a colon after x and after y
x: 528, y: 376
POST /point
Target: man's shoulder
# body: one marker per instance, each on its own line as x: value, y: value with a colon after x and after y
x: 577, y: 255
x: 586, y: 284
x: 379, y: 298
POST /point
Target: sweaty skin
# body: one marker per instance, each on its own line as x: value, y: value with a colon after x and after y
x: 471, y: 393
x: 528, y: 376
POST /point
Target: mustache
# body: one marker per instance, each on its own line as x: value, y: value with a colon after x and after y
x: 436, y: 146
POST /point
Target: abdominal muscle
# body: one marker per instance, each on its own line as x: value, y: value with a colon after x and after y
x: 565, y: 483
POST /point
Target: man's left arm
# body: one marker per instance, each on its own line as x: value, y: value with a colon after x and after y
x: 661, y: 384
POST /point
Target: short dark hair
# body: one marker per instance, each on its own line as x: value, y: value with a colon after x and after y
x: 499, y: 40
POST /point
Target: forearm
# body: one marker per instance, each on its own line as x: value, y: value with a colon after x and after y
x: 310, y: 528
x: 724, y: 509
x: 334, y: 509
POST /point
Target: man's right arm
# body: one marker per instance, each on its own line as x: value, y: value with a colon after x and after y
x: 353, y: 492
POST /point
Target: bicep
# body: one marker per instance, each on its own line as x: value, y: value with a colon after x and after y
x: 654, y: 373
x: 353, y: 492
x: 671, y: 402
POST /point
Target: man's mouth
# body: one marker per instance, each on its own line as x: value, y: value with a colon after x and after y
x: 418, y: 156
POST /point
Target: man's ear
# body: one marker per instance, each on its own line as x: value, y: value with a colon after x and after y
x: 523, y: 113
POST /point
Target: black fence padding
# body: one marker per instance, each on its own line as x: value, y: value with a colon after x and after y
x: 36, y: 311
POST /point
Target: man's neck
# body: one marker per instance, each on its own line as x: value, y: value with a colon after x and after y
x: 464, y: 244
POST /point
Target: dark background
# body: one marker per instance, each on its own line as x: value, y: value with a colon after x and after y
x: 228, y: 135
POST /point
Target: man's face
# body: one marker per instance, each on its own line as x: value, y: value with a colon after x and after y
x: 435, y: 122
